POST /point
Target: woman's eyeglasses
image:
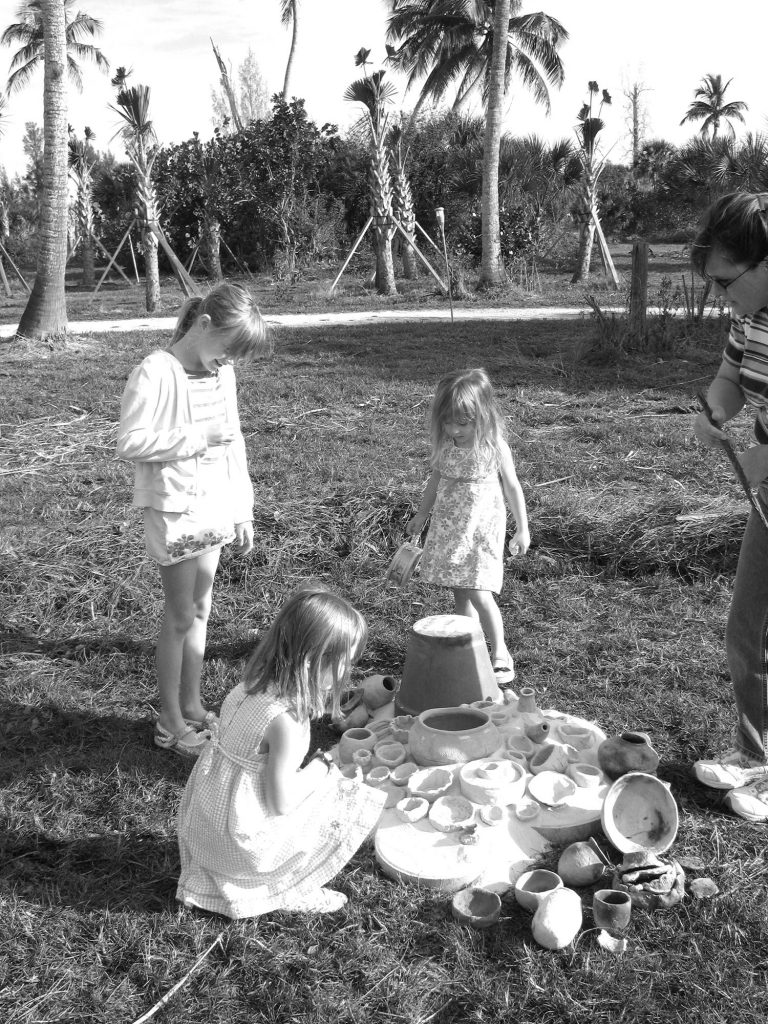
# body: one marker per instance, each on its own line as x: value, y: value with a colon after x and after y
x: 725, y: 282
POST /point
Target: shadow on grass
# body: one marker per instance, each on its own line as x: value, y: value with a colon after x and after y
x: 116, y: 872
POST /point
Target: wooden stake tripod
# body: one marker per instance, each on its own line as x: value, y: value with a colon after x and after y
x: 399, y: 227
x: 186, y: 283
x: 6, y: 285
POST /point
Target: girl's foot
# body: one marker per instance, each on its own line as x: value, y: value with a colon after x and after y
x: 207, y: 720
x: 321, y: 901
x: 187, y: 743
x: 503, y: 670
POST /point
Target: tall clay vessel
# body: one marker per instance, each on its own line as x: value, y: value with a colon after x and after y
x: 446, y: 664
x: 629, y: 752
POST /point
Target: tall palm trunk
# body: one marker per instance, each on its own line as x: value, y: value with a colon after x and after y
x: 84, y: 212
x: 292, y: 51
x: 492, y: 266
x: 148, y: 217
x: 402, y: 202
x: 212, y: 246
x: 381, y: 211
x: 45, y: 314
x: 587, y: 232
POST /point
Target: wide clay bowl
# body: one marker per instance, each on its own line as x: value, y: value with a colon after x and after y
x: 412, y: 809
x: 640, y: 813
x: 403, y: 772
x: 430, y: 783
x: 479, y: 908
x: 532, y: 886
x: 451, y: 813
x: 452, y: 736
x: 551, y: 788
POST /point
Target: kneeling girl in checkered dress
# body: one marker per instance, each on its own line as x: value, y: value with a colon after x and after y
x: 257, y: 832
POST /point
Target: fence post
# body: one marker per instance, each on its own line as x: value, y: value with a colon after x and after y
x: 638, y: 294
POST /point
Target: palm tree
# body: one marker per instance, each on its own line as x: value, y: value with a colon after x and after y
x: 81, y: 160
x: 45, y: 314
x: 138, y: 135
x: 448, y: 44
x: 478, y: 46
x: 592, y: 162
x: 402, y: 198
x: 289, y: 15
x: 28, y: 32
x: 375, y: 94
x: 710, y: 108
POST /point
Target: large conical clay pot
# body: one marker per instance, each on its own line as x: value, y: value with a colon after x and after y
x: 629, y: 752
x: 446, y: 664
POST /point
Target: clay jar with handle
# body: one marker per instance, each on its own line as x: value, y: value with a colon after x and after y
x: 629, y: 752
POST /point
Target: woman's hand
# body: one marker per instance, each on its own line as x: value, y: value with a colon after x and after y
x: 416, y: 524
x: 754, y: 462
x: 520, y: 543
x: 243, y: 538
x: 709, y: 435
x: 219, y: 433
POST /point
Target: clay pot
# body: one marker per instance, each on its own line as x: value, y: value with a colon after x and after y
x: 452, y: 736
x: 586, y: 776
x: 479, y: 908
x: 629, y: 752
x: 552, y: 757
x: 532, y: 886
x: 378, y: 690
x: 355, y: 739
x: 389, y: 754
x: 557, y: 919
x: 537, y: 732
x: 526, y: 704
x: 362, y: 759
x: 611, y: 910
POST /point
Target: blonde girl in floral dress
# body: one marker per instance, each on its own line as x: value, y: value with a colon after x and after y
x: 179, y: 426
x: 257, y: 832
x: 472, y: 476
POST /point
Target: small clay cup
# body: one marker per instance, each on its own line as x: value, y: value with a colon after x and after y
x: 532, y: 886
x: 611, y: 910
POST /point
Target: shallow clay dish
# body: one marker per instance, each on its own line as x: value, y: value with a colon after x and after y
x: 640, y: 813
x: 412, y: 808
x: 479, y: 908
x: 402, y: 773
x: 451, y: 813
x: 430, y: 783
x: 551, y: 788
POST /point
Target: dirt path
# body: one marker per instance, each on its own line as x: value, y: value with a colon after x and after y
x: 319, y: 319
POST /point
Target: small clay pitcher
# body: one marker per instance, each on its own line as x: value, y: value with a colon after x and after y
x: 629, y: 752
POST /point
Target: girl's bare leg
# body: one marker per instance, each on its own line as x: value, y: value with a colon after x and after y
x: 482, y: 604
x: 188, y: 588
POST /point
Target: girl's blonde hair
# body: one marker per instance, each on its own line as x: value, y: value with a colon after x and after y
x: 314, y: 633
x: 231, y: 308
x: 737, y: 224
x: 466, y: 395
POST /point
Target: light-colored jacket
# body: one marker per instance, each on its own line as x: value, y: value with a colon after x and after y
x: 158, y: 435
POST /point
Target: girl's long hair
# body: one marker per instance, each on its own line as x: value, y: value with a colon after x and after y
x: 737, y: 224
x: 468, y: 395
x: 231, y: 308
x: 315, y: 632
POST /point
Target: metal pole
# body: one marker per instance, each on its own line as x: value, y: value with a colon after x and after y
x: 440, y: 217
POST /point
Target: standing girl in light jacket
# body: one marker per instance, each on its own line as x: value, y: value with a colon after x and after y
x: 179, y: 426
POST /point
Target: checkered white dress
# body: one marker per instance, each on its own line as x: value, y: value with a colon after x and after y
x: 240, y: 859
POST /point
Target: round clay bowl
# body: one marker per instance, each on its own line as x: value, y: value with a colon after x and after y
x: 521, y: 744
x: 403, y: 772
x: 451, y: 813
x: 532, y: 886
x: 549, y: 758
x: 640, y: 813
x: 389, y: 754
x: 479, y: 908
x: 363, y: 759
x: 355, y: 739
x: 586, y: 776
x: 412, y: 809
x: 527, y: 810
x: 578, y: 736
x: 551, y: 788
x: 430, y: 783
x: 492, y: 814
x: 452, y: 736
x: 378, y: 776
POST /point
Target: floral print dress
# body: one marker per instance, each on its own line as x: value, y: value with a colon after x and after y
x: 465, y: 544
x: 238, y: 857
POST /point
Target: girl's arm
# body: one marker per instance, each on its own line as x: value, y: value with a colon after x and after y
x: 288, y: 785
x: 146, y: 433
x: 416, y: 524
x: 514, y: 497
x: 725, y: 398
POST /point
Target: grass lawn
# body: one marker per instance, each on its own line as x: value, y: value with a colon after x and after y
x: 616, y: 614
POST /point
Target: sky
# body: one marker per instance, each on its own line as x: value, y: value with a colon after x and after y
x: 666, y: 45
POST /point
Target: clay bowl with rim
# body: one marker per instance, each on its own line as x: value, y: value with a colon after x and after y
x: 640, y: 813
x: 479, y: 908
x: 551, y: 788
x: 412, y: 809
x: 430, y: 783
x: 403, y: 772
x: 532, y: 886
x: 451, y: 813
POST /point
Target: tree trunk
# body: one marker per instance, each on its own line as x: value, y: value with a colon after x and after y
x: 491, y: 265
x: 586, y: 241
x: 385, y: 267
x: 88, y: 278
x: 151, y: 269
x: 45, y: 314
x: 292, y: 52
x: 212, y: 244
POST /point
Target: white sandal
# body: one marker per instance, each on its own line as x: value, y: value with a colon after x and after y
x: 210, y: 718
x: 188, y: 743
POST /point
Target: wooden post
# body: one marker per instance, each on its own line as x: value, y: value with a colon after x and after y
x: 638, y: 295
